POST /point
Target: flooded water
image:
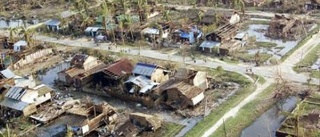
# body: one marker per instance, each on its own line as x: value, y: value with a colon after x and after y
x: 282, y: 46
x: 267, y: 124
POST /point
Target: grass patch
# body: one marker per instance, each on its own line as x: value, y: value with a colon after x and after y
x: 301, y: 43
x: 265, y: 44
x: 169, y: 130
x: 315, y: 74
x: 260, y: 79
x: 308, y: 60
x: 263, y: 57
x: 247, y: 114
x: 217, y: 113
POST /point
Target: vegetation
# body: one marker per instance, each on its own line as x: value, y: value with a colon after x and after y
x: 308, y: 60
x: 169, y: 130
x: 218, y: 112
x: 265, y: 44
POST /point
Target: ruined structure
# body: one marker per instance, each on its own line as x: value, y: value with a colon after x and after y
x: 138, y: 123
x: 82, y: 69
x: 288, y: 27
x: 305, y: 117
x: 27, y: 59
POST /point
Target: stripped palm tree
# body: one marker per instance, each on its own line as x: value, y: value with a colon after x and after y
x: 27, y: 35
x: 239, y: 3
x: 12, y: 32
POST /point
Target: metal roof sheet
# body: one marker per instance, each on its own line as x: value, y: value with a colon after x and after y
x: 144, y: 69
x: 16, y: 93
x: 7, y: 73
x: 209, y: 44
x: 20, y: 43
x: 14, y: 104
x: 52, y: 22
x: 144, y: 83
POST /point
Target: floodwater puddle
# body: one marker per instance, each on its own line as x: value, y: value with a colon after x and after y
x: 258, y: 30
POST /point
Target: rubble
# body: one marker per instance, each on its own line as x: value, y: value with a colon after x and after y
x: 288, y: 27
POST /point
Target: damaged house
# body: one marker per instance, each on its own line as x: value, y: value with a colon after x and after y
x: 189, y: 35
x: 24, y: 100
x: 137, y: 124
x: 114, y: 73
x: 185, y: 89
x: 81, y: 71
x: 222, y: 39
x: 139, y: 85
x: 153, y: 72
x: 90, y: 116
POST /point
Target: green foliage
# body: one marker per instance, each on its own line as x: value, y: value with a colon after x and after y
x: 309, y: 59
x: 265, y: 44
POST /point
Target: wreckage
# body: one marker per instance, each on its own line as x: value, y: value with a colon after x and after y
x: 290, y: 28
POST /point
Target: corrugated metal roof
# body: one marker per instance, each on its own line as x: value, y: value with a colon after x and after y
x: 52, y: 22
x: 144, y: 69
x: 7, y: 73
x: 209, y: 44
x: 16, y: 93
x: 144, y: 83
x: 120, y: 67
x: 14, y: 104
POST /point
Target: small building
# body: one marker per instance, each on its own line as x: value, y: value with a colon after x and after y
x: 153, y: 72
x: 93, y: 31
x: 20, y: 45
x: 139, y: 85
x: 242, y: 37
x: 53, y: 24
x: 210, y: 46
x: 182, y: 95
x: 25, y: 100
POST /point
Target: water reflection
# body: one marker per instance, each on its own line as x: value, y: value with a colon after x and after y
x: 267, y: 124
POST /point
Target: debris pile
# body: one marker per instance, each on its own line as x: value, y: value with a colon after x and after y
x: 288, y: 27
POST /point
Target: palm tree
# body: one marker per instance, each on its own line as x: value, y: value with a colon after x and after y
x: 237, y: 3
x: 141, y: 10
x: 27, y: 34
x: 121, y: 27
x: 166, y: 15
x: 12, y: 32
x: 128, y: 24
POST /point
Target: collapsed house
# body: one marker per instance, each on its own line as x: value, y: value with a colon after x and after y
x: 138, y: 123
x: 82, y: 117
x: 24, y: 100
x: 305, y: 117
x: 81, y: 71
x: 185, y: 89
x: 139, y: 85
x: 91, y: 116
x: 288, y: 27
x: 155, y: 32
x: 27, y: 59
